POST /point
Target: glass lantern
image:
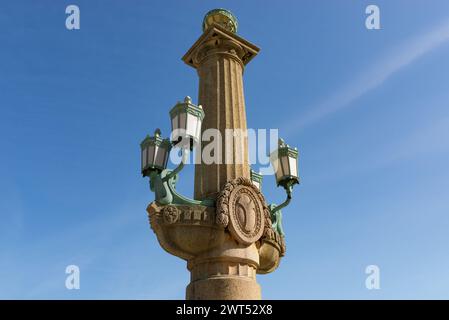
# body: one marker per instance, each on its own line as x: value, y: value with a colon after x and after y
x: 155, y: 151
x: 285, y: 164
x: 186, y: 119
x: 256, y: 178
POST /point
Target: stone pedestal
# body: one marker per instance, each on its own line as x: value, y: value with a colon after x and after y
x: 227, y: 272
x: 224, y: 246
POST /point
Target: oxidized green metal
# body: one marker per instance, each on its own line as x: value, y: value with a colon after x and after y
x: 256, y: 178
x: 163, y: 185
x: 187, y: 107
x: 276, y: 219
x: 222, y: 17
x: 284, y: 150
x: 158, y: 141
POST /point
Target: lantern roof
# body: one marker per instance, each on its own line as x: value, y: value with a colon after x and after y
x: 285, y: 150
x: 188, y: 107
x: 156, y: 140
x: 256, y: 176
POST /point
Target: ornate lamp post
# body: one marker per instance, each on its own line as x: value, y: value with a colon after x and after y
x: 229, y: 233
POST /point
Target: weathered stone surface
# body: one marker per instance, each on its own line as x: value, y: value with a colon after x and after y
x: 236, y: 251
x: 224, y: 289
x: 227, y: 245
x: 192, y: 232
x: 220, y: 57
x: 210, y: 250
x: 242, y: 204
x: 226, y: 272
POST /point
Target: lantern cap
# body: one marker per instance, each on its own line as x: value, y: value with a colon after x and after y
x: 188, y: 107
x: 155, y: 140
x: 256, y: 176
x: 221, y: 16
x: 285, y: 150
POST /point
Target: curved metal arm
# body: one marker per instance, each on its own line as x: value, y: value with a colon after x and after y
x: 164, y: 186
x: 179, y: 167
x: 288, y: 190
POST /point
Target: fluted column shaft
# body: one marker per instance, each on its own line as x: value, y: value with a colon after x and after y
x: 221, y: 95
x: 220, y: 58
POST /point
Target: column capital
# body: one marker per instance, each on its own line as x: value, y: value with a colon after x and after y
x: 216, y: 40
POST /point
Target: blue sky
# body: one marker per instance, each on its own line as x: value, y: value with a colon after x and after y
x: 368, y: 110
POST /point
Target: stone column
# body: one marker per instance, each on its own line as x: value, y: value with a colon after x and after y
x: 229, y: 270
x: 220, y: 56
x: 226, y: 273
x: 228, y: 241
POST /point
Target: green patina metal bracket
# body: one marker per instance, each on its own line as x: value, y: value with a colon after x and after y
x: 275, y: 210
x: 163, y: 184
x: 276, y: 219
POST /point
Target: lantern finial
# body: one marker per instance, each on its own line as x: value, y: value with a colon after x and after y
x: 282, y: 143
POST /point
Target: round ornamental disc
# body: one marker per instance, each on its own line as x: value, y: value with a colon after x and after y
x: 246, y: 223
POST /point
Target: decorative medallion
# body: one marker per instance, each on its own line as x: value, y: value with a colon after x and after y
x: 241, y: 208
x: 170, y: 214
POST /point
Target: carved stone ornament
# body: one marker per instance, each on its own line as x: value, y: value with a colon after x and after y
x: 170, y: 214
x: 241, y: 207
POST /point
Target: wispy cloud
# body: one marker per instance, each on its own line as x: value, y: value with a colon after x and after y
x: 402, y: 56
x: 429, y: 141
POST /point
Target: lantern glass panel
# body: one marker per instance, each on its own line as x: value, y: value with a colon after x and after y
x: 256, y: 178
x: 144, y: 157
x: 150, y: 157
x: 182, y: 120
x: 191, y: 125
x: 293, y: 163
x: 257, y: 184
x: 174, y: 123
x: 278, y: 170
x: 278, y: 175
x: 159, y: 158
x: 285, y: 166
x: 164, y: 163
